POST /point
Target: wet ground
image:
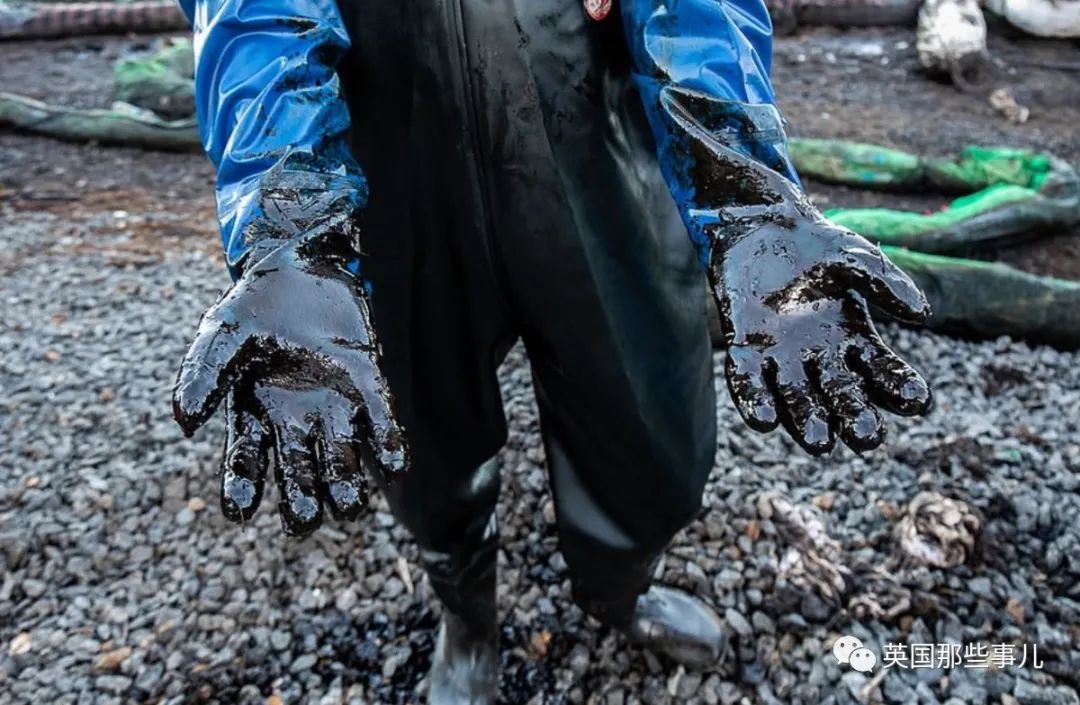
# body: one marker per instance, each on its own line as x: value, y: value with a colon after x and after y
x: 120, y: 582
x: 867, y: 86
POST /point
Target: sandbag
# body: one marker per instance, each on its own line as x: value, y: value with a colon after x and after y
x: 123, y: 124
x: 1019, y: 194
x: 989, y: 299
x: 163, y: 83
x: 997, y: 216
x: 873, y: 166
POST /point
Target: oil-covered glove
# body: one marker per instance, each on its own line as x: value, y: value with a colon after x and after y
x: 292, y: 349
x: 793, y: 292
x: 793, y: 289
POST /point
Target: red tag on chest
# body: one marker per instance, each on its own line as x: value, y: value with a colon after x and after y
x: 598, y: 9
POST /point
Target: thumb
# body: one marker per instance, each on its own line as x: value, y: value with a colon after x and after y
x: 208, y: 369
x: 885, y: 285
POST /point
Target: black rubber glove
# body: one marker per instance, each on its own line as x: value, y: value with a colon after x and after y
x: 793, y: 290
x: 292, y: 346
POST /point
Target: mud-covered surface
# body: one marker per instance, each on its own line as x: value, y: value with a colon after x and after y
x: 121, y: 582
x: 867, y: 86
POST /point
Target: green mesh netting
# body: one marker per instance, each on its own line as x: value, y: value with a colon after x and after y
x: 124, y: 124
x: 154, y: 108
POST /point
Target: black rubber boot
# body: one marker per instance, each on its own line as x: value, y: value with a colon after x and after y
x: 677, y: 625
x: 465, y: 665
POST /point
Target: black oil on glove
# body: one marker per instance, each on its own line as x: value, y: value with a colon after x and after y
x: 802, y: 349
x: 793, y: 291
x: 292, y: 349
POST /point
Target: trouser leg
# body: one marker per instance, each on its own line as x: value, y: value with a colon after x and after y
x: 441, y: 317
x: 622, y: 490
x: 617, y: 514
x: 454, y: 524
x: 452, y: 518
x: 462, y: 570
x: 606, y: 289
x: 608, y: 569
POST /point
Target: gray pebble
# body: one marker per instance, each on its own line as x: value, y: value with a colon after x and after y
x: 106, y: 548
x: 280, y: 639
x: 1027, y: 693
x: 303, y: 663
x: 737, y: 621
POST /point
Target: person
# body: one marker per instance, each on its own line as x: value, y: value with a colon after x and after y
x: 530, y: 172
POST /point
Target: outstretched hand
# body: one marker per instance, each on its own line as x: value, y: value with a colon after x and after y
x: 802, y: 349
x: 291, y: 347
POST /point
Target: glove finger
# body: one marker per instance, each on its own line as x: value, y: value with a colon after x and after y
x: 893, y: 383
x: 384, y: 435
x: 208, y: 368
x: 244, y: 467
x: 861, y: 427
x: 801, y: 413
x: 345, y: 488
x: 872, y: 274
x: 299, y: 502
x: 745, y: 368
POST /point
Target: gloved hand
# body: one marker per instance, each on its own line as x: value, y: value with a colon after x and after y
x: 792, y: 290
x: 292, y: 348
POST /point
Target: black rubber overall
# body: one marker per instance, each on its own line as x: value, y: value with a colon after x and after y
x: 515, y: 194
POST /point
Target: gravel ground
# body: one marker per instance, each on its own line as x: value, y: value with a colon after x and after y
x: 120, y: 582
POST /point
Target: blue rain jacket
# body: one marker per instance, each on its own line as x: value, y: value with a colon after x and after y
x: 271, y: 109
x: 721, y: 52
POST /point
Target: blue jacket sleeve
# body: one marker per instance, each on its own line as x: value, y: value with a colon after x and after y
x: 272, y: 116
x: 702, y: 67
